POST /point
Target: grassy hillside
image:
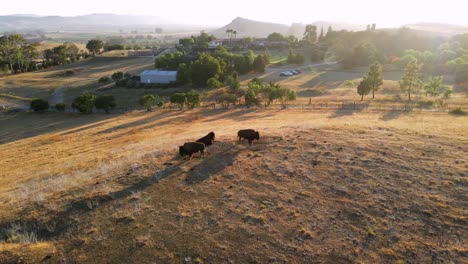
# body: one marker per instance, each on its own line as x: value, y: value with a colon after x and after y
x: 332, y: 187
x: 42, y: 84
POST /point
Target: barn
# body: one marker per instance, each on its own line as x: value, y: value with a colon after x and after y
x: 157, y: 76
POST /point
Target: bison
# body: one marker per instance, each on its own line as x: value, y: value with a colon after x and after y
x: 189, y: 148
x: 208, y: 139
x: 248, y: 134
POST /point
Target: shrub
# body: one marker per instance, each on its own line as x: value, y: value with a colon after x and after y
x: 149, y: 101
x: 60, y: 107
x: 214, y: 83
x: 131, y: 83
x: 84, y: 103
x: 178, y: 99
x: 226, y: 99
x: 104, y: 79
x: 458, y: 111
x: 192, y: 99
x: 121, y: 83
x: 117, y: 76
x: 105, y: 102
x: 251, y: 99
x: 425, y: 104
x: 39, y: 105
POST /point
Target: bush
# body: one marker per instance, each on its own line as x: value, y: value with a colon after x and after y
x: 251, y: 99
x: 458, y: 111
x: 84, y: 103
x: 149, y: 101
x: 116, y: 76
x: 226, y: 99
x: 121, y: 83
x: 131, y: 83
x: 178, y: 99
x: 192, y: 99
x: 214, y: 83
x: 39, y: 105
x: 105, y: 102
x: 60, y: 107
x: 104, y: 79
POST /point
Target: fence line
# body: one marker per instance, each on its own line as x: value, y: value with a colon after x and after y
x: 345, y: 106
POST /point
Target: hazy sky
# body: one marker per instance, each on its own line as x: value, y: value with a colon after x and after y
x: 220, y: 12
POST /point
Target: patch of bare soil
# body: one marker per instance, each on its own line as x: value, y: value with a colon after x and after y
x: 335, y: 195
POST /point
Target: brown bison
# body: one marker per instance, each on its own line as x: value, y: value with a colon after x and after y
x: 248, y: 134
x: 189, y: 148
x: 208, y: 139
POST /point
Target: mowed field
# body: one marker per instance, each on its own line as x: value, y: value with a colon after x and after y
x: 319, y: 187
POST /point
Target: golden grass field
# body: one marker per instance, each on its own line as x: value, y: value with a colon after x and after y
x: 319, y: 187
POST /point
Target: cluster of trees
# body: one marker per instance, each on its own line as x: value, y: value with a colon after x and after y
x: 258, y: 93
x: 190, y: 100
x: 196, y: 43
x: 212, y: 69
x: 17, y: 54
x: 85, y: 103
x: 63, y: 54
x: 409, y: 84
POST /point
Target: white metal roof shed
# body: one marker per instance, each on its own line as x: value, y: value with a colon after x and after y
x: 157, y: 76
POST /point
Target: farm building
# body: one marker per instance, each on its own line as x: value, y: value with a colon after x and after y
x: 157, y: 76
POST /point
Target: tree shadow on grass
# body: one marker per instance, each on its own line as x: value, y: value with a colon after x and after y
x: 346, y: 111
x: 391, y: 115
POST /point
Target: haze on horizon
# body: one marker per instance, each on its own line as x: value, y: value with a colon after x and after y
x: 217, y: 13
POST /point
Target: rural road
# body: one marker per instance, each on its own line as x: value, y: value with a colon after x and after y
x: 291, y: 67
x: 57, y: 97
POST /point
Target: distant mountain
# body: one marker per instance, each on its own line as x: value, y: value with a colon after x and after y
x: 439, y: 29
x: 86, y: 23
x: 252, y: 28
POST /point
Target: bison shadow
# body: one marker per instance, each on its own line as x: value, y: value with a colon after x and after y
x: 213, y: 164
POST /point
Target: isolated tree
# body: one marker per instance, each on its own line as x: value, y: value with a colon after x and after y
x: 84, y: 103
x: 178, y: 99
x: 374, y: 77
x: 364, y: 87
x: 39, y: 105
x: 234, y: 32
x: 411, y: 79
x: 94, y: 46
x: 373, y: 27
x: 259, y: 64
x: 105, y: 102
x: 149, y: 101
x: 433, y: 85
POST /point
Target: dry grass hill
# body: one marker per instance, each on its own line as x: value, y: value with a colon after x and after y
x: 318, y: 187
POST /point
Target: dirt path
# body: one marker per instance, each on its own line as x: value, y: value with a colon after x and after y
x: 57, y: 97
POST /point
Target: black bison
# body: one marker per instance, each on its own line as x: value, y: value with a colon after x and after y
x: 248, y: 134
x: 208, y: 139
x: 189, y: 148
